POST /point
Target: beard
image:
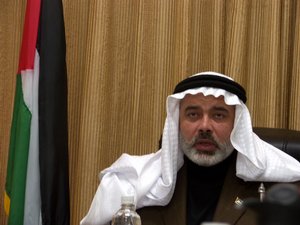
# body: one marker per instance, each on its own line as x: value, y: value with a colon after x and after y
x: 205, y: 158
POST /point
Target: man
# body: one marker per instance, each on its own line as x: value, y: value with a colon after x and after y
x: 208, y: 153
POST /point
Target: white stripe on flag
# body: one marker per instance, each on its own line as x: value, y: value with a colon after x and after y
x: 30, y: 85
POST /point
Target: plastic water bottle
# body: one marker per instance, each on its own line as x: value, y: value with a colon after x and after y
x: 126, y: 215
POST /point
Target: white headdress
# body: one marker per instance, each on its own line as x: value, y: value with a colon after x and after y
x: 151, y: 178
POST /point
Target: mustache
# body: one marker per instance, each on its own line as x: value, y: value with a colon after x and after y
x: 205, y: 136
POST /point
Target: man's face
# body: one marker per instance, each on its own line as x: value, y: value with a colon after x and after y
x: 205, y: 125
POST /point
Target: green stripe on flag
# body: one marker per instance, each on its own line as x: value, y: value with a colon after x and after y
x: 18, y: 157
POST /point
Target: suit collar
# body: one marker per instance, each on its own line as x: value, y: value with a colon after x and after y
x: 233, y: 191
x: 233, y: 188
x: 176, y: 209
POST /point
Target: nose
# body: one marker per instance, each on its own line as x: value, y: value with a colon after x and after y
x: 205, y: 124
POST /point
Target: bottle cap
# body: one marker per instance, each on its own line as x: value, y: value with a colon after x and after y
x: 127, y: 200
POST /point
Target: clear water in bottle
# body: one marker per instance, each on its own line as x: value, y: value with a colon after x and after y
x: 127, y: 214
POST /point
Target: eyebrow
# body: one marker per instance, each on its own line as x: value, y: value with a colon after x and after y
x: 221, y: 108
x: 191, y: 107
x: 217, y: 108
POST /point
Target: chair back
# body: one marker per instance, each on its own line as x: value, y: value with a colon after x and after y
x: 284, y: 139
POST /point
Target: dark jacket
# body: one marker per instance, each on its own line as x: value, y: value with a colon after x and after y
x: 175, y: 212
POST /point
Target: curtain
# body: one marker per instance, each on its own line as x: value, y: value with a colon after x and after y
x: 124, y: 58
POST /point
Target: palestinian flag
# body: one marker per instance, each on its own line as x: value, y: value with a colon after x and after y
x: 37, y: 182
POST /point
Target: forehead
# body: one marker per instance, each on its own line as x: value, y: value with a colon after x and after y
x: 202, y: 100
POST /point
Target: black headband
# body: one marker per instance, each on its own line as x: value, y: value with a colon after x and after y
x: 211, y: 81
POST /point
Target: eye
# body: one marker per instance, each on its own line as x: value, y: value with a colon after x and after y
x: 219, y: 116
x: 192, y: 115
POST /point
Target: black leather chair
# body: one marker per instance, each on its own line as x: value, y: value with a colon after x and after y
x: 284, y: 139
x: 281, y: 204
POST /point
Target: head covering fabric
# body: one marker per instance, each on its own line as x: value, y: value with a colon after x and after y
x: 211, y: 80
x: 151, y: 178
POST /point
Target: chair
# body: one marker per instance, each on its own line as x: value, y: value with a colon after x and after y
x: 284, y: 139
